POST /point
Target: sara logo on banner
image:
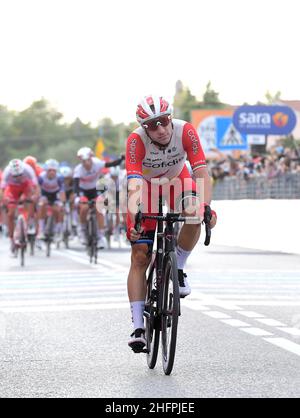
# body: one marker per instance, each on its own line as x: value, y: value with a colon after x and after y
x: 265, y: 120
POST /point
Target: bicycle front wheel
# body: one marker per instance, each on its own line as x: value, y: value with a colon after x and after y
x: 170, y: 312
x: 152, y: 321
x: 22, y: 238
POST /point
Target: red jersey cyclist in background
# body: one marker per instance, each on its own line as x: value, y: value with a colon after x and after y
x: 18, y: 182
x: 156, y: 154
x: 32, y: 161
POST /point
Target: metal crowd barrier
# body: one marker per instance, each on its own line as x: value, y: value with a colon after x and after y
x: 284, y: 186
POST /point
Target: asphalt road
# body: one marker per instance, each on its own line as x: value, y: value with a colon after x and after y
x: 64, y: 327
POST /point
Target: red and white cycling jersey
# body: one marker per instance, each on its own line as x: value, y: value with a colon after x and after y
x: 88, y: 178
x: 27, y: 176
x: 144, y: 159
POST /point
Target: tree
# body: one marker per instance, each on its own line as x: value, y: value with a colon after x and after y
x: 211, y: 98
x: 184, y: 102
x: 272, y: 99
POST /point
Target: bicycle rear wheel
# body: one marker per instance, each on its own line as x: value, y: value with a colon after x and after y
x: 31, y: 239
x: 152, y: 322
x: 49, y: 233
x: 22, y: 238
x: 95, y: 238
x: 170, y: 312
x: 90, y: 239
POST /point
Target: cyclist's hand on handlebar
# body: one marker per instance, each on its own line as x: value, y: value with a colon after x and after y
x: 134, y: 235
x: 213, y: 220
x: 76, y: 200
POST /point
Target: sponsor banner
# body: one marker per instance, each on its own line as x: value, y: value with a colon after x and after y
x: 228, y: 137
x: 256, y: 139
x: 204, y: 120
x: 264, y: 120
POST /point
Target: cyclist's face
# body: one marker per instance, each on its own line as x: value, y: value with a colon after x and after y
x: 162, y: 134
x: 51, y: 174
x: 87, y: 164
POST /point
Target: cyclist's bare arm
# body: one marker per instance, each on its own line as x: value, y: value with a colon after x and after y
x: 205, y: 184
x: 134, y: 200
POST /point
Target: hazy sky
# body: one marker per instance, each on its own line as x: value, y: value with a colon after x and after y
x: 96, y: 58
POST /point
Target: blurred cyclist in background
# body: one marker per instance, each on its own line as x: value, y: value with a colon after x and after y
x: 53, y: 193
x: 19, y: 182
x: 67, y: 173
x: 86, y: 175
x: 32, y: 161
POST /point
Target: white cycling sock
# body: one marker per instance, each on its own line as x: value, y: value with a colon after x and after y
x: 100, y: 233
x: 41, y: 225
x: 137, y: 314
x: 83, y: 228
x: 182, y: 256
x: 74, y: 217
x: 58, y: 228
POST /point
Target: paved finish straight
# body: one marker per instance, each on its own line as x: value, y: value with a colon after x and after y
x: 64, y: 327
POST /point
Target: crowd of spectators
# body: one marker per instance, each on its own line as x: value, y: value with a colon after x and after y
x: 277, y: 161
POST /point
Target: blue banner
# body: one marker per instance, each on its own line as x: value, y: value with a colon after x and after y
x: 228, y: 138
x: 265, y: 120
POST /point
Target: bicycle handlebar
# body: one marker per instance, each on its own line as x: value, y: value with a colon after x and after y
x: 175, y: 217
x: 206, y: 220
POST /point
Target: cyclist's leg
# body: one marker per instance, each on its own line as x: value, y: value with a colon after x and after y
x: 136, y: 284
x: 42, y: 214
x: 58, y: 212
x: 11, y: 197
x: 187, y: 203
x: 31, y: 194
x: 83, y: 211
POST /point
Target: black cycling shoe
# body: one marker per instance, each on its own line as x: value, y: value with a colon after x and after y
x: 138, y: 342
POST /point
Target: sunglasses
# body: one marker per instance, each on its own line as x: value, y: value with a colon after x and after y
x: 153, y: 124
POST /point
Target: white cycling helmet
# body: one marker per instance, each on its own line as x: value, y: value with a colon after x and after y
x: 151, y: 107
x: 16, y: 167
x: 85, y: 153
x: 52, y: 165
x: 66, y: 171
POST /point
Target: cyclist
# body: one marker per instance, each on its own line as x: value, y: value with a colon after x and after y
x: 67, y: 173
x: 158, y: 150
x: 53, y: 193
x: 32, y: 161
x: 115, y: 224
x: 86, y: 175
x: 18, y: 182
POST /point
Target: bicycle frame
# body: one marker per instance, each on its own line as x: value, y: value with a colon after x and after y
x: 162, y: 305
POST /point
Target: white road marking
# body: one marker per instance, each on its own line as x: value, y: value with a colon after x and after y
x: 73, y: 255
x: 270, y: 322
x: 292, y: 331
x: 195, y: 305
x: 61, y: 301
x: 269, y: 303
x: 285, y: 344
x: 235, y: 323
x: 63, y: 289
x: 65, y: 308
x: 250, y: 314
x: 217, y: 315
x: 259, y: 332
